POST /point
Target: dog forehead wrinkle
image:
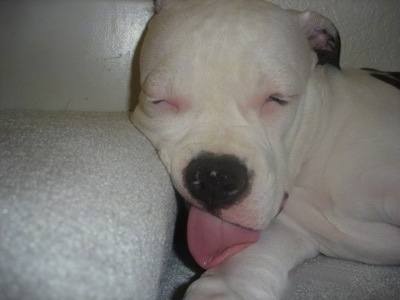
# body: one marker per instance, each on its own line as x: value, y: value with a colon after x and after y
x: 206, y: 56
x: 214, y: 23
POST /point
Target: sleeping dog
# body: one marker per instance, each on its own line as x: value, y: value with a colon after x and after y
x: 280, y: 153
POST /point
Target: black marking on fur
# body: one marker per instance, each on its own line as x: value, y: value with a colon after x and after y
x: 392, y: 78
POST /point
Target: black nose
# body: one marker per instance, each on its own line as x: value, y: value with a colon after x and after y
x: 216, y: 181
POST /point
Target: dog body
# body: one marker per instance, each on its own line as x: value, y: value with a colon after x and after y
x: 258, y: 127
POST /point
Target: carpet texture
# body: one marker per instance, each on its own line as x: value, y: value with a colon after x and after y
x: 86, y: 208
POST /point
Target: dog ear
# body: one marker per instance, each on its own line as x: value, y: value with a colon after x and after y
x: 322, y: 36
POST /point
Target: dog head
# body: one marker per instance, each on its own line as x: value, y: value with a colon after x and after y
x: 223, y: 90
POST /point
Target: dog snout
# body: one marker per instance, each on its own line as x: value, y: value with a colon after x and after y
x: 216, y: 180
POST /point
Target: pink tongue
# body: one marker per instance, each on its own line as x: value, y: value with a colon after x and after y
x: 212, y: 241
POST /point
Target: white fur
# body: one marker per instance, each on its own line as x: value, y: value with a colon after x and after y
x: 335, y: 147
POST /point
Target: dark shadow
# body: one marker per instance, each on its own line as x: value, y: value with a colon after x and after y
x: 180, y: 241
x: 180, y: 291
x: 181, y: 249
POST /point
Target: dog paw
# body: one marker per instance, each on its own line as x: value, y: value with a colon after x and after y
x: 210, y: 288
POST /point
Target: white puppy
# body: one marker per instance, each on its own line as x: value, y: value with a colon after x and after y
x: 281, y: 154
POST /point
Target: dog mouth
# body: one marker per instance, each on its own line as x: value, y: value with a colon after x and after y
x: 212, y: 241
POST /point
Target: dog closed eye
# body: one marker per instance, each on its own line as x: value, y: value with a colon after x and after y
x: 165, y: 105
x: 158, y: 101
x: 277, y: 99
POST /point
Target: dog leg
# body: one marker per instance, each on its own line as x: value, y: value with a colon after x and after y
x: 261, y: 270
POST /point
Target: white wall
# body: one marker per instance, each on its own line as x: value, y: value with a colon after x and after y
x: 80, y: 55
x: 67, y: 54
